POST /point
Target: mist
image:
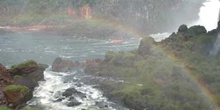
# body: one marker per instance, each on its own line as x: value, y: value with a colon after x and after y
x: 216, y: 46
x: 109, y: 54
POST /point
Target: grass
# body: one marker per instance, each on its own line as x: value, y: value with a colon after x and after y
x: 4, y: 108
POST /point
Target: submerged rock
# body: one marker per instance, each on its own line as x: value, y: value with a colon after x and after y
x: 73, y: 102
x: 61, y: 65
x: 72, y: 91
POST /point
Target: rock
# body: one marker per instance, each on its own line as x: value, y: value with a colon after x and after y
x: 197, y: 30
x: 3, y: 100
x: 37, y: 75
x: 29, y: 69
x: 146, y: 45
x: 15, y: 94
x: 93, y: 62
x: 72, y: 91
x: 182, y: 28
x: 101, y: 105
x: 73, y: 102
x: 5, y: 76
x: 25, y: 82
x: 60, y: 65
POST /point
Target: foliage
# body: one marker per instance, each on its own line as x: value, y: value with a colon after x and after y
x: 148, y: 16
x: 4, y: 108
x: 26, y: 63
x: 165, y: 78
x: 29, y: 108
x: 21, y: 88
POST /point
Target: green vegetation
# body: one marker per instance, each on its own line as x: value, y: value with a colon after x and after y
x: 4, y: 108
x: 27, y: 63
x: 162, y: 78
x: 29, y: 108
x: 23, y: 68
x: 20, y: 88
x: 150, y: 15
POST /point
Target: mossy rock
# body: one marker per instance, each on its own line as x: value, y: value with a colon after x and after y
x: 24, y: 68
x: 22, y: 89
x: 4, y: 108
x: 25, y: 64
x: 109, y: 55
x: 146, y: 45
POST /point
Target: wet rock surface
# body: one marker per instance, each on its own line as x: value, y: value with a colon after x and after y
x: 17, y: 83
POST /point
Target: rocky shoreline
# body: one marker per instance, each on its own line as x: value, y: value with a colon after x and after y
x: 17, y: 83
x: 143, y: 78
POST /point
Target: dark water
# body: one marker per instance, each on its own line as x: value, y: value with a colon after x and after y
x: 19, y: 46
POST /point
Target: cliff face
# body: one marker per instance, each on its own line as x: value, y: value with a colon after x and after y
x: 149, y: 78
x: 148, y: 16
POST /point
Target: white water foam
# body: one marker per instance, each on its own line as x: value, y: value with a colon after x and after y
x: 216, y: 47
x: 51, y: 90
x: 209, y: 14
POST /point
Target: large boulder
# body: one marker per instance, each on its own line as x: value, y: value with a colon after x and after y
x: 15, y: 94
x: 72, y: 91
x: 29, y: 69
x: 146, y: 46
x: 61, y: 65
x: 28, y: 82
x: 5, y: 76
x: 3, y: 100
x: 197, y: 30
x: 183, y: 28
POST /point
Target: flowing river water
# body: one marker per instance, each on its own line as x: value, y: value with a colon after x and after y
x: 19, y: 46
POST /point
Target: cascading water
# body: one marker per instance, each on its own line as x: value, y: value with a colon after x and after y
x: 209, y: 14
x: 208, y: 17
x: 216, y: 47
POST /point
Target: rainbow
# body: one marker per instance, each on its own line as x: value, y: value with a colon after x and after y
x: 191, y: 74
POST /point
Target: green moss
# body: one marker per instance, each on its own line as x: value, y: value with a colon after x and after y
x: 24, y: 64
x: 109, y: 55
x: 4, y: 108
x: 29, y: 108
x: 22, y: 89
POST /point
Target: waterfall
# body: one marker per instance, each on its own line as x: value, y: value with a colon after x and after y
x: 209, y: 14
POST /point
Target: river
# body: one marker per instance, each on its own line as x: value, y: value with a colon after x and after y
x: 19, y: 46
